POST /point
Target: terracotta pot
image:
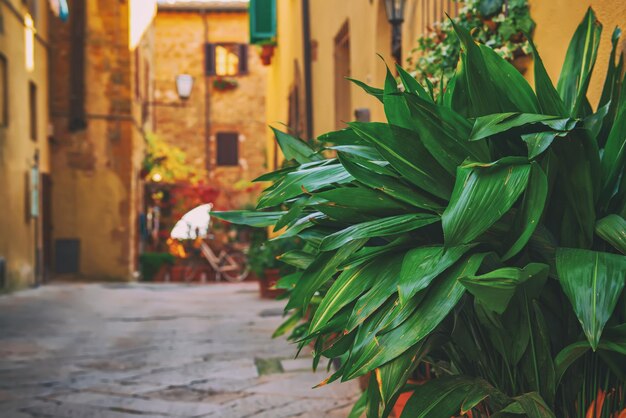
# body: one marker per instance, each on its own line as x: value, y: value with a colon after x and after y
x: 266, y: 283
x: 400, y: 404
x: 522, y: 63
x: 267, y: 52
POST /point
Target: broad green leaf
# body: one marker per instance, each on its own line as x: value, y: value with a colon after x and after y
x: 303, y: 181
x: 593, y: 282
x: 446, y: 397
x: 385, y: 286
x: 363, y: 151
x: 367, y: 253
x: 347, y: 288
x: 481, y: 196
x: 392, y: 377
x: 297, y: 258
x: 444, y: 133
x: 579, y: 62
x: 288, y: 324
x: 538, y: 142
x: 321, y: 270
x: 495, y: 289
x: 411, y: 85
x: 493, y: 84
x: 387, y: 184
x: 250, y: 217
x: 537, y: 365
x: 406, y: 153
x: 295, y: 149
x: 577, y: 168
x: 343, y: 137
x: 611, y: 90
x: 364, y: 199
x: 614, y: 156
x: 612, y: 229
x: 372, y: 91
x: 422, y: 265
x: 549, y: 100
x: 378, y: 228
x: 530, y: 404
x: 568, y: 356
x: 533, y: 204
x: 486, y: 126
x: 439, y: 300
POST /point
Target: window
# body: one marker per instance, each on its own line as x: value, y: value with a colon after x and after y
x: 227, y: 149
x: 226, y: 59
x: 32, y: 103
x: 4, y: 91
x: 262, y: 20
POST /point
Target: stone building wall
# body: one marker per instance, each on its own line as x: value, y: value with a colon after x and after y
x: 179, y: 49
x: 95, y: 169
x: 21, y: 237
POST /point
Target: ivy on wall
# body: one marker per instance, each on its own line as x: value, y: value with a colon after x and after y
x: 500, y: 24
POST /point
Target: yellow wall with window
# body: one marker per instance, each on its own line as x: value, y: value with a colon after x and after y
x: 23, y: 44
x: 370, y: 34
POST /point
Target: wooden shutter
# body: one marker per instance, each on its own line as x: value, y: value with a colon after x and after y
x: 243, y: 59
x: 32, y: 104
x: 209, y: 59
x: 262, y: 20
x: 227, y: 149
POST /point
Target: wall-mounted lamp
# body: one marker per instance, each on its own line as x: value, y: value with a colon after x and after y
x: 395, y: 15
x: 184, y: 85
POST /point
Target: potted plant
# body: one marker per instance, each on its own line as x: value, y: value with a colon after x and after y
x: 225, y: 84
x: 500, y: 24
x: 480, y: 231
x: 267, y: 51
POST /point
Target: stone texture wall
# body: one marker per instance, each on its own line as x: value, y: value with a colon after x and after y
x: 179, y: 48
x: 95, y: 170
x: 17, y: 150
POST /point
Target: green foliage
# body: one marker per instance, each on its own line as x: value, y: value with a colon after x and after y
x: 499, y: 24
x: 504, y: 271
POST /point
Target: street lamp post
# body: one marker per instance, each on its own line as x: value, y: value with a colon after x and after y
x: 395, y: 15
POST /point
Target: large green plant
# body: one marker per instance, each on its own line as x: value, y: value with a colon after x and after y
x: 500, y: 24
x: 480, y: 232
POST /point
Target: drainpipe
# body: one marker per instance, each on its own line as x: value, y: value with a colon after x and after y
x: 207, y: 103
x: 308, y: 82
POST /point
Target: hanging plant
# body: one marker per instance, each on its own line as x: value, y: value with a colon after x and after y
x: 225, y: 84
x: 500, y: 24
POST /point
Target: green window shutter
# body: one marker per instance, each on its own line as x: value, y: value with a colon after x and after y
x: 262, y: 21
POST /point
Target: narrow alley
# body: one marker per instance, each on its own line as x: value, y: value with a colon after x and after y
x: 123, y: 351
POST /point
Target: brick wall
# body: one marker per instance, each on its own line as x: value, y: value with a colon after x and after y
x: 179, y: 48
x: 95, y: 190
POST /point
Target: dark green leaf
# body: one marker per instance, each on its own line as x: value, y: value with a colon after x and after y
x: 249, y: 217
x: 481, y: 196
x: 593, y: 282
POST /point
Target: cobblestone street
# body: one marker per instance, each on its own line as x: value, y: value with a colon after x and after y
x: 123, y: 351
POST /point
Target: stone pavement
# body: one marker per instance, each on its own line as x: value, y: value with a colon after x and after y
x: 136, y: 351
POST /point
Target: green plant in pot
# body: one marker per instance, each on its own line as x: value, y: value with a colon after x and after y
x: 481, y: 232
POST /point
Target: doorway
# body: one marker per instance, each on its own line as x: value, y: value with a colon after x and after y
x: 343, y: 100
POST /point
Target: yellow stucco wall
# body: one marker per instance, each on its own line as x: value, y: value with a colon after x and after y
x: 370, y: 34
x: 17, y: 235
x: 556, y: 22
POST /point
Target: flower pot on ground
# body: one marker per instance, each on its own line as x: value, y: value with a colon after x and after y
x: 481, y: 230
x: 153, y: 266
x: 267, y: 284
